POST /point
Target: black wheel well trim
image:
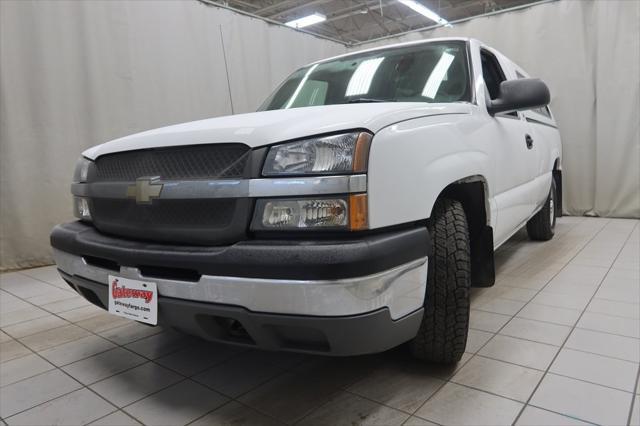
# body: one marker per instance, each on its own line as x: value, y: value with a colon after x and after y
x: 472, y: 193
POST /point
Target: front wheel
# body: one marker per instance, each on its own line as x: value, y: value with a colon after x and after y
x: 541, y: 227
x: 442, y: 336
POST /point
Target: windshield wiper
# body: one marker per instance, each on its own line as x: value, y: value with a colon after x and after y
x: 368, y: 100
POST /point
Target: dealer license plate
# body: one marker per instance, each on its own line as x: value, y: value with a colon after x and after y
x: 133, y: 299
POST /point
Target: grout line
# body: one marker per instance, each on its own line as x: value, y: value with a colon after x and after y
x: 633, y: 398
x: 560, y: 414
x: 524, y: 240
x: 298, y: 365
x: 580, y: 317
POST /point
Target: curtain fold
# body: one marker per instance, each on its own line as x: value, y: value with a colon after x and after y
x: 75, y: 74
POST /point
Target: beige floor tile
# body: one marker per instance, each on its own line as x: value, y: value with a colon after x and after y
x: 132, y: 385
x: 497, y: 305
x: 101, y: 366
x: 561, y: 300
x: 417, y: 421
x: 23, y: 368
x: 79, y: 407
x: 586, y: 276
x: 81, y: 313
x: 102, y: 322
x: 525, y: 282
x: 294, y: 394
x: 348, y: 409
x: 117, y: 418
x: 582, y: 400
x: 543, y: 332
x: 23, y: 286
x: 27, y: 328
x: 571, y: 289
x: 610, y: 307
x: 21, y: 315
x: 4, y: 337
x: 516, y: 293
x: 476, y: 339
x: 479, y: 408
x: 552, y: 314
x: 164, y: 343
x: 34, y: 391
x: 532, y: 416
x: 11, y: 303
x: 48, y: 274
x: 130, y: 332
x: 487, y: 321
x: 233, y: 413
x: 178, y: 404
x: 66, y: 305
x: 239, y: 374
x: 404, y: 387
x: 12, y: 349
x: 508, y: 380
x: 596, y: 369
x: 621, y: 347
x: 76, y: 350
x: 51, y: 338
x: 53, y: 295
x: 635, y: 413
x: 198, y: 357
x: 522, y: 352
x: 610, y: 324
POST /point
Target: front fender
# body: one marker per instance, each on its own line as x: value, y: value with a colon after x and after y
x: 411, y: 163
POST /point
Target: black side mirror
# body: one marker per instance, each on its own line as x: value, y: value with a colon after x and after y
x: 518, y: 95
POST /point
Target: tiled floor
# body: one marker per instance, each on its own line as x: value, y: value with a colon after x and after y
x: 555, y: 342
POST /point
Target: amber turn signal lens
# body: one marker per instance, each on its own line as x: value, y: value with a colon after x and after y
x: 358, y: 214
x: 361, y: 152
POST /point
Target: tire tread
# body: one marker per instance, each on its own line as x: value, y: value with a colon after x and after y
x: 443, y: 333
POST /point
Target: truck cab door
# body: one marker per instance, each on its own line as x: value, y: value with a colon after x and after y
x: 515, y: 161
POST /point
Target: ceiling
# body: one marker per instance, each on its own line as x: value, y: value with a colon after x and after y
x: 357, y: 21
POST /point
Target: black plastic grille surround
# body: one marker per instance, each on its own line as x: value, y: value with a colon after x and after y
x: 189, y: 162
x: 212, y: 213
x: 215, y: 221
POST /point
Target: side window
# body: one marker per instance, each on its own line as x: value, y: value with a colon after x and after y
x: 493, y: 76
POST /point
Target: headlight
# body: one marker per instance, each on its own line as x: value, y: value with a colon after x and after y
x: 82, y: 170
x: 343, y: 213
x: 81, y: 208
x: 343, y: 153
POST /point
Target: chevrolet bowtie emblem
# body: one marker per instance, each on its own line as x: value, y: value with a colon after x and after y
x: 145, y: 190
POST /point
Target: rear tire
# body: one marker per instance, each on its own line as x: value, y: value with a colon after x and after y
x: 541, y: 227
x: 442, y: 336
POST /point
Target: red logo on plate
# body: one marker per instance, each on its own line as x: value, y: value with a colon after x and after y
x: 123, y: 292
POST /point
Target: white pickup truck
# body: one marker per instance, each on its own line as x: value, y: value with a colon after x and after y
x: 349, y: 215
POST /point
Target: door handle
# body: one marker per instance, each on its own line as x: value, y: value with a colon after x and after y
x: 529, y: 141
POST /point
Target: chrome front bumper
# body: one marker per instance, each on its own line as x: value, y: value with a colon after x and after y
x: 401, y: 289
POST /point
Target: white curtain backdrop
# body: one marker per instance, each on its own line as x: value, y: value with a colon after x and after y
x: 75, y: 74
x: 588, y: 52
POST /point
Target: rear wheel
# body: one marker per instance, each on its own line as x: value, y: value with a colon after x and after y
x: 442, y: 336
x: 541, y: 227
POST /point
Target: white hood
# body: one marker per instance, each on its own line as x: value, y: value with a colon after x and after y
x: 268, y: 127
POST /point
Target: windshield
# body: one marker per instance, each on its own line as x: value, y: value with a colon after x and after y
x: 428, y: 72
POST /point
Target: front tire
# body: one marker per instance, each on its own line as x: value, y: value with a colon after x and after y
x: 442, y: 336
x: 541, y: 227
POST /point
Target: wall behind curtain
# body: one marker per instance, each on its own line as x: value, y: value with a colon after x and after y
x: 75, y: 74
x: 588, y: 52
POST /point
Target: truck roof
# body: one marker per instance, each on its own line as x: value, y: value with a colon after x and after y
x: 391, y: 46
